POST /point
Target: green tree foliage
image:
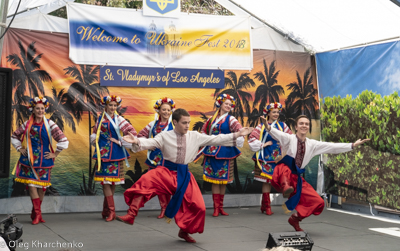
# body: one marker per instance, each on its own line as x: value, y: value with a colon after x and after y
x: 374, y: 166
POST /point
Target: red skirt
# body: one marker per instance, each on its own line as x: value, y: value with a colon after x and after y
x: 161, y: 181
x: 310, y: 202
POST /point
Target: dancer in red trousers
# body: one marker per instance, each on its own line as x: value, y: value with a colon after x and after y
x: 33, y: 141
x: 267, y: 151
x: 287, y: 174
x: 179, y: 148
x: 162, y: 122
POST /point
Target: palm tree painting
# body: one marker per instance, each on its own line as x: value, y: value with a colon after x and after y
x: 303, y: 94
x: 27, y: 77
x: 58, y: 111
x: 235, y: 87
x: 253, y: 119
x: 289, y: 115
x: 84, y: 95
x: 199, y: 124
x: 269, y: 90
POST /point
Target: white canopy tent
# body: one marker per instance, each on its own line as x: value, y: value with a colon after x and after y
x: 31, y: 7
x: 41, y: 22
x: 322, y: 25
x: 32, y: 15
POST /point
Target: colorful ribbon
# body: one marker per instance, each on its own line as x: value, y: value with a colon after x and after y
x: 263, y: 139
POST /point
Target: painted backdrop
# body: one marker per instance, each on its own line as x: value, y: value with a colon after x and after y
x: 41, y: 66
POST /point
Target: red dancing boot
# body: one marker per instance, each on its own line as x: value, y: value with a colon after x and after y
x: 294, y: 220
x: 164, y: 200
x: 162, y: 214
x: 186, y: 236
x: 111, y: 208
x: 267, y: 202
x: 105, y: 212
x: 136, y: 203
x: 41, y: 218
x: 216, y: 201
x: 36, y: 207
x: 262, y: 208
x: 221, y: 205
x: 33, y: 215
x: 128, y: 218
x: 286, y: 188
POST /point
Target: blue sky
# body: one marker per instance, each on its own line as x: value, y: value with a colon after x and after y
x: 375, y: 67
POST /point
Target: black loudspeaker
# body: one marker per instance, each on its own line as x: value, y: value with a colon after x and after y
x: 297, y: 240
x: 5, y: 120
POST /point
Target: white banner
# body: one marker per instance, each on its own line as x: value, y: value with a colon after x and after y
x: 124, y: 37
x: 162, y: 8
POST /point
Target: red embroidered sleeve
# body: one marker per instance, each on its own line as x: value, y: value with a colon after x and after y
x: 286, y: 129
x: 255, y: 134
x: 145, y: 132
x: 58, y: 135
x: 234, y: 124
x: 16, y: 137
x: 126, y: 127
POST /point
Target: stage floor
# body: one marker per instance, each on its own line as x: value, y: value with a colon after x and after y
x: 245, y: 229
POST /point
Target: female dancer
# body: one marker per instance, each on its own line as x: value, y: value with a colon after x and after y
x: 33, y: 140
x: 267, y: 151
x: 219, y: 160
x: 110, y: 154
x: 162, y: 122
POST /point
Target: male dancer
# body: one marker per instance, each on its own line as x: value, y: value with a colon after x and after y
x: 287, y: 179
x: 179, y: 148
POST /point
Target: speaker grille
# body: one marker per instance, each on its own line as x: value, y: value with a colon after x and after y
x: 5, y: 120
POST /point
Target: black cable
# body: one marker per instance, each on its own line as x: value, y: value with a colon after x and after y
x: 11, y: 20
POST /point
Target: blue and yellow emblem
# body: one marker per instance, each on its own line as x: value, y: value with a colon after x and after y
x: 162, y: 6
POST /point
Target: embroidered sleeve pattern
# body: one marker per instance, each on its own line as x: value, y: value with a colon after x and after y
x: 145, y: 132
x: 234, y: 124
x: 254, y: 139
x: 16, y: 137
x: 126, y: 127
x: 58, y: 135
x: 301, y: 150
x: 286, y: 129
x: 181, y: 149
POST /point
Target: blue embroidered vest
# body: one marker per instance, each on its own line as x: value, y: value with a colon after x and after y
x: 109, y: 151
x: 40, y: 144
x: 222, y: 152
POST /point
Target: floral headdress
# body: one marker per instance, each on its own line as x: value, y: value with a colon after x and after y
x: 222, y: 98
x: 107, y: 99
x: 161, y: 101
x: 38, y: 100
x: 271, y: 106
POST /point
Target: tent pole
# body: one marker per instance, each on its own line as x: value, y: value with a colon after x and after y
x: 391, y: 39
x: 3, y: 18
